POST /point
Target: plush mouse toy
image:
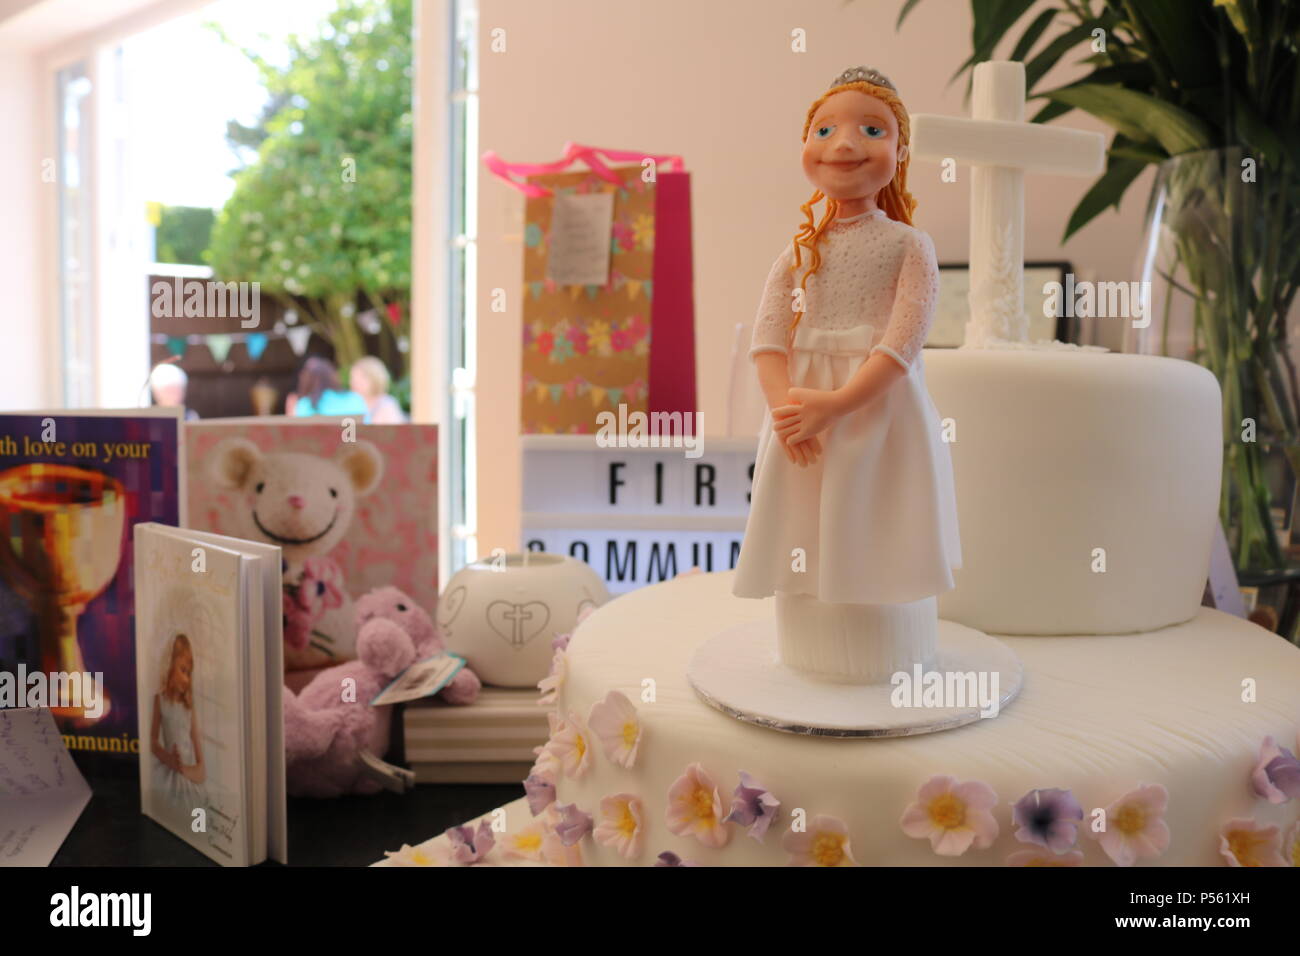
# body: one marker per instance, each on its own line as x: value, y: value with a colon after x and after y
x: 334, y: 741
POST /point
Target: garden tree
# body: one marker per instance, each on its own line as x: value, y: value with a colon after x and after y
x: 322, y: 216
x: 183, y: 234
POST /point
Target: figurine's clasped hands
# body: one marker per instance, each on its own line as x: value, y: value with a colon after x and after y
x: 810, y: 412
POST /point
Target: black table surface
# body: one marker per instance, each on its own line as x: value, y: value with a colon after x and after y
x: 346, y: 831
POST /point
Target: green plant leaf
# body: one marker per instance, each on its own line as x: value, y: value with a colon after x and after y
x: 1051, y: 111
x: 1257, y: 136
x: 1139, y: 116
x: 1177, y: 36
x: 907, y: 8
x: 1137, y: 74
x: 1051, y: 54
x: 1031, y: 35
x: 992, y: 20
x: 1105, y: 192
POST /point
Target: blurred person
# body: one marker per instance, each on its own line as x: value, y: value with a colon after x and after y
x: 168, y: 383
x: 321, y: 393
x: 369, y: 378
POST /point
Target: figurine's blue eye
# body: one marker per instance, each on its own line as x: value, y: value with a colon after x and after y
x: 872, y: 132
x: 823, y: 132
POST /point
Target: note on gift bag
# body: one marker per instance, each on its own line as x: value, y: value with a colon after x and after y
x: 41, y: 791
x: 581, y: 226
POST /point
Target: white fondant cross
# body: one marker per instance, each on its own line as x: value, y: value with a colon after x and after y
x: 1000, y: 146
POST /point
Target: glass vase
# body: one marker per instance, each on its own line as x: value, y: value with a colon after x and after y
x: 1222, y: 259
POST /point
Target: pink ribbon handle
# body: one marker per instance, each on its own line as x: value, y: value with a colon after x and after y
x: 593, y: 156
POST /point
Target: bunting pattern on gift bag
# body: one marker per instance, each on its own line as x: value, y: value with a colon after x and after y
x: 586, y: 348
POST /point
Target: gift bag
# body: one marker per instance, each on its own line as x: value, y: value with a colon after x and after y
x: 608, y: 309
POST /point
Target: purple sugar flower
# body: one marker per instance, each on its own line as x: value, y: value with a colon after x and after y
x: 469, y: 845
x: 573, y: 824
x: 669, y: 858
x: 1277, y: 773
x: 560, y: 642
x: 753, y: 806
x: 1284, y: 773
x: 1048, y: 818
x: 541, y: 792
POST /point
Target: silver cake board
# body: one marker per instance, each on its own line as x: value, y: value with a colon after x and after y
x: 738, y: 672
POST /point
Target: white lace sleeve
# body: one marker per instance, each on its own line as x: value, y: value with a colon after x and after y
x: 914, y: 302
x: 774, y: 315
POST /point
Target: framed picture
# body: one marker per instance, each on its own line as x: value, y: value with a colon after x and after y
x: 953, y: 310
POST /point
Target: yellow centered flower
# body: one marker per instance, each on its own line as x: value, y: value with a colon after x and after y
x: 529, y: 842
x: 630, y: 731
x: 948, y: 811
x: 828, y: 849
x: 702, y: 803
x: 420, y: 858
x: 1131, y: 819
x: 627, y: 822
x: 579, y: 746
x: 1242, y: 843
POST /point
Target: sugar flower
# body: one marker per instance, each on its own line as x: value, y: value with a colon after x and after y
x: 546, y: 764
x: 1045, y: 858
x: 412, y: 856
x: 954, y: 816
x: 1276, y: 776
x: 1291, y: 847
x: 824, y: 843
x: 525, y: 843
x: 559, y: 643
x: 469, y: 845
x: 1135, y: 826
x: 620, y: 824
x: 571, y: 824
x: 669, y: 858
x: 569, y: 744
x: 540, y: 791
x: 614, y: 721
x: 553, y: 682
x: 752, y: 806
x: 1246, y: 843
x: 695, y: 809
x: 554, y: 851
x: 1049, y: 818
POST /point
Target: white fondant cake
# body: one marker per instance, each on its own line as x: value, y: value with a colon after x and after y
x: 1087, y: 486
x: 1098, y: 715
x: 1070, y: 462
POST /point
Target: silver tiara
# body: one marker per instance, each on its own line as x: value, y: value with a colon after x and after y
x: 863, y: 74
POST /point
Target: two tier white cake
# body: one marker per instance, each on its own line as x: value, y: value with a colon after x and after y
x: 1148, y: 729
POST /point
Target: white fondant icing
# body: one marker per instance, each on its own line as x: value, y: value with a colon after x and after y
x: 1098, y: 715
x: 853, y: 643
x: 1070, y: 462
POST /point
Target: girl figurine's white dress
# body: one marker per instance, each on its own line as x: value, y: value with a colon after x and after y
x: 180, y: 791
x: 875, y: 517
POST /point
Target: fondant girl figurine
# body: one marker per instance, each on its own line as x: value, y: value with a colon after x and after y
x: 179, y: 770
x: 853, y: 518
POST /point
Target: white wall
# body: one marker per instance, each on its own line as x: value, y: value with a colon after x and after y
x: 716, y: 82
x: 29, y: 330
